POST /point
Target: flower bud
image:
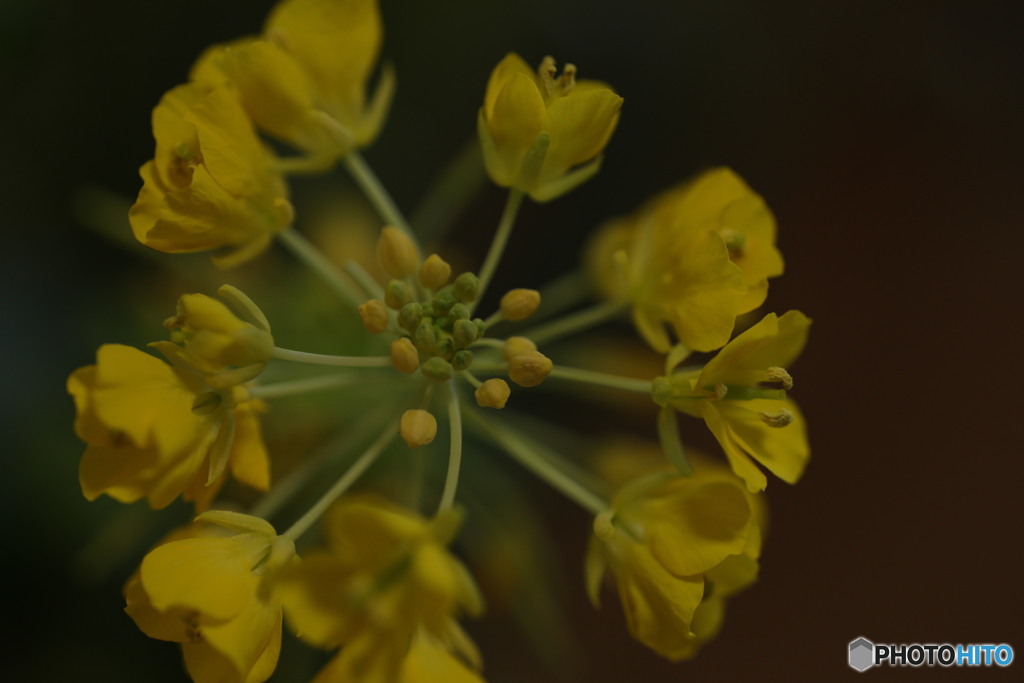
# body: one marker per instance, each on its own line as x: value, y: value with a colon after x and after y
x: 467, y: 287
x: 397, y: 253
x: 397, y: 294
x: 462, y: 360
x: 404, y: 356
x: 374, y: 315
x: 418, y: 428
x: 529, y: 369
x: 519, y: 304
x: 517, y: 345
x: 434, y: 272
x: 437, y: 369
x: 464, y: 332
x: 215, y: 338
x: 493, y: 393
x: 410, y: 316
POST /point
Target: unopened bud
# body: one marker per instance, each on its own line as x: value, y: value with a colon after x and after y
x: 604, y: 525
x: 519, y: 304
x: 459, y: 312
x: 418, y: 428
x: 662, y: 390
x: 529, y: 369
x: 374, y: 315
x: 467, y: 287
x: 437, y: 369
x: 780, y: 418
x: 410, y: 316
x: 517, y: 345
x: 493, y: 393
x: 404, y: 356
x: 397, y: 294
x: 444, y: 348
x: 780, y: 376
x: 464, y: 332
x: 434, y: 272
x: 397, y: 253
x: 424, y: 337
x: 462, y: 360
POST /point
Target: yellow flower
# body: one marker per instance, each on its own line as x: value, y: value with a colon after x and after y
x: 213, y: 594
x: 386, y: 575
x: 669, y: 540
x: 304, y: 82
x: 735, y: 394
x: 670, y: 261
x: 211, y: 182
x: 534, y: 128
x: 154, y: 430
x: 214, y: 338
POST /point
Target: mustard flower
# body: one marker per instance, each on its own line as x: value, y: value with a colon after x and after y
x: 741, y: 395
x: 156, y: 431
x: 670, y: 261
x: 304, y: 81
x: 211, y: 182
x: 536, y: 130
x: 212, y: 591
x: 668, y: 540
x: 385, y: 577
x: 215, y: 339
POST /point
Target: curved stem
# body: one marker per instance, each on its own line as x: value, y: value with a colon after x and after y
x: 326, y: 359
x: 451, y: 481
x: 576, y: 322
x: 365, y: 280
x: 351, y: 475
x: 501, y: 235
x: 303, y: 386
x: 602, y: 379
x: 376, y: 193
x: 307, y: 252
x: 532, y: 460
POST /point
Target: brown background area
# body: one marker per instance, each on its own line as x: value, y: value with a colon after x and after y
x: 886, y: 136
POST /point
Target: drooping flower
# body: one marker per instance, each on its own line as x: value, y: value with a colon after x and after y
x: 211, y: 589
x: 156, y: 431
x: 672, y: 262
x: 669, y: 540
x: 304, y: 81
x: 536, y: 130
x: 385, y: 578
x: 737, y: 395
x: 212, y: 182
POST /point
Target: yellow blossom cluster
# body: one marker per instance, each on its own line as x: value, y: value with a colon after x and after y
x: 379, y: 586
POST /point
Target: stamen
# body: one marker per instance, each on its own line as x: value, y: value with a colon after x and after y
x: 546, y: 71
x: 776, y: 375
x: 720, y: 391
x: 567, y: 81
x: 780, y: 418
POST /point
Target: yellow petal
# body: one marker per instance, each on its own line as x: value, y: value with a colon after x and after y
x: 317, y: 602
x: 124, y: 473
x: 211, y: 575
x: 774, y: 341
x: 734, y: 450
x: 698, y: 527
x: 428, y: 662
x: 783, y: 450
x: 250, y: 463
x: 170, y: 625
x: 515, y: 121
x: 244, y: 649
x: 580, y: 125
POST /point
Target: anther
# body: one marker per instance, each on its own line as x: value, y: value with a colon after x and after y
x: 780, y: 418
x: 720, y: 391
x: 515, y: 346
x: 775, y: 375
x: 546, y: 71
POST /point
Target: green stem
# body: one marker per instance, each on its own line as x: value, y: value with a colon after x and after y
x: 501, y: 235
x: 527, y: 456
x: 450, y: 194
x: 451, y: 482
x: 306, y: 252
x: 303, y: 386
x: 325, y: 359
x: 365, y: 280
x: 602, y: 379
x: 575, y: 322
x: 375, y: 192
x: 471, y: 378
x: 351, y: 475
x: 494, y: 319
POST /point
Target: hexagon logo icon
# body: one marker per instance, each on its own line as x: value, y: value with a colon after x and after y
x: 862, y: 654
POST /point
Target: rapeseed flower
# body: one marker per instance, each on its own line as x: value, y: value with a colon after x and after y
x: 741, y: 395
x: 156, y: 431
x: 211, y: 589
x: 385, y: 576
x: 666, y: 540
x: 212, y: 182
x: 536, y: 130
x: 304, y: 81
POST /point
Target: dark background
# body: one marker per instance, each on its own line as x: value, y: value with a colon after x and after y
x: 885, y: 135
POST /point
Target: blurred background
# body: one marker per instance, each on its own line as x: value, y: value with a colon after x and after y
x: 885, y: 135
